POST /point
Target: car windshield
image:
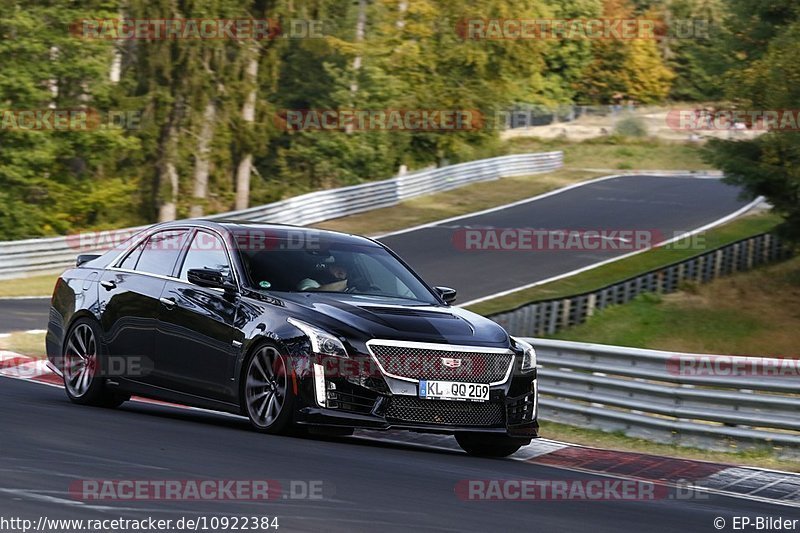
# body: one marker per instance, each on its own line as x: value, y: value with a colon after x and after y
x: 307, y: 261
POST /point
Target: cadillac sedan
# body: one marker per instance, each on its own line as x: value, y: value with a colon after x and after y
x: 297, y: 329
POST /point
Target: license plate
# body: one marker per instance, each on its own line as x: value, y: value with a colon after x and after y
x: 453, y: 390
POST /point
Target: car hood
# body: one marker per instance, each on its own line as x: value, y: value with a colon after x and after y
x: 390, y: 318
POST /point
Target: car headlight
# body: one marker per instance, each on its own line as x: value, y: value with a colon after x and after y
x: 322, y: 342
x: 528, y: 356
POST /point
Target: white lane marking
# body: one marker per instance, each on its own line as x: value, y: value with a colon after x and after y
x: 40, y: 496
x: 4, y: 335
x: 30, y: 369
x: 98, y: 459
x: 36, y: 331
x: 701, y: 229
x: 738, y: 475
x: 776, y: 482
x: 537, y: 448
x: 533, y: 199
x: 26, y: 493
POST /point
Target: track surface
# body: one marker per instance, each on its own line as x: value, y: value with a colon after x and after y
x: 368, y: 486
x: 23, y: 314
x: 662, y: 204
x: 49, y: 443
x: 667, y: 205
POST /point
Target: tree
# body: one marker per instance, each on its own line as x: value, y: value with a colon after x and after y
x: 632, y: 67
x: 768, y: 166
x: 57, y: 181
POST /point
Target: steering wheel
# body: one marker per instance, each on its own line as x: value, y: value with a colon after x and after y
x: 361, y: 284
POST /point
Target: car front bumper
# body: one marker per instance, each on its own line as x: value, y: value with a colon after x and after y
x: 511, y: 409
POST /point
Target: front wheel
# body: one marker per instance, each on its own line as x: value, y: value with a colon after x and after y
x: 482, y: 445
x: 267, y: 395
x: 82, y: 361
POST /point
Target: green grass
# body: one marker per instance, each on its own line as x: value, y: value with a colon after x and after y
x: 461, y: 201
x: 764, y: 458
x: 750, y: 313
x: 30, y: 344
x: 41, y: 285
x: 625, y: 268
x: 622, y: 153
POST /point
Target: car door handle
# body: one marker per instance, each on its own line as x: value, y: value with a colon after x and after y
x: 169, y: 303
x: 108, y: 285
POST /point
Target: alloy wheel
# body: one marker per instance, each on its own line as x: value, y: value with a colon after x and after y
x: 266, y: 386
x: 80, y: 360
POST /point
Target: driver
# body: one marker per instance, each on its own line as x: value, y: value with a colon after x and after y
x: 332, y: 278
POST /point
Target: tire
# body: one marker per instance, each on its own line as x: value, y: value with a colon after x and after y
x: 83, y: 357
x: 267, y: 398
x: 480, y: 445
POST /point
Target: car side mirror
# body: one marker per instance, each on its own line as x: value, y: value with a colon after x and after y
x: 207, y: 277
x: 447, y: 294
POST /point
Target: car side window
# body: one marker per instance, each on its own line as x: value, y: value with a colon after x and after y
x: 129, y: 263
x: 161, y: 252
x: 206, y: 251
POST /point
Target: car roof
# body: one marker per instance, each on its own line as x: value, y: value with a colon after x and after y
x: 243, y: 226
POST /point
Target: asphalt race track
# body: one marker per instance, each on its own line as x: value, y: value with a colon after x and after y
x: 49, y: 443
x: 663, y: 205
x: 24, y: 314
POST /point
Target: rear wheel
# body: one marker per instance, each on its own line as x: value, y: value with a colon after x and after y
x: 82, y: 361
x: 481, y: 445
x: 267, y: 396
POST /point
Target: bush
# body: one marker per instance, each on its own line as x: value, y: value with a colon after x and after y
x: 631, y: 127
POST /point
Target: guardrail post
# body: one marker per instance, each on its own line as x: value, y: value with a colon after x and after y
x: 566, y: 305
x: 552, y: 326
x: 590, y: 304
x: 717, y: 264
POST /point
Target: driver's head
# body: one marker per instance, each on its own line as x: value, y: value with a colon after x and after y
x: 339, y: 272
x: 335, y: 278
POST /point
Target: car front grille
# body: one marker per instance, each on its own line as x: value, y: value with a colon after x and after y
x: 471, y: 366
x: 442, y: 412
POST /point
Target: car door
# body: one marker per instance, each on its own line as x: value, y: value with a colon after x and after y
x: 194, y: 348
x: 129, y: 303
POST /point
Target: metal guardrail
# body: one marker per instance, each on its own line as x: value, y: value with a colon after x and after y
x: 21, y: 258
x: 546, y: 317
x: 705, y: 401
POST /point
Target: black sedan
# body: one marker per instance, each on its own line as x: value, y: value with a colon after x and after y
x: 297, y: 329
